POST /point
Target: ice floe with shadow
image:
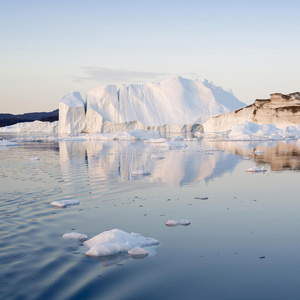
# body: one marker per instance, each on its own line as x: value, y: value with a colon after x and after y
x: 183, y: 222
x: 109, y: 243
x: 7, y: 143
x: 64, y: 203
x: 75, y: 236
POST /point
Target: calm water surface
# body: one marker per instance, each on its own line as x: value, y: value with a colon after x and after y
x: 243, y: 242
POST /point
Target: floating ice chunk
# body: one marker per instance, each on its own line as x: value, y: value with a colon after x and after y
x: 141, y: 173
x: 201, y: 198
x: 64, y: 203
x: 138, y: 252
x: 33, y: 158
x: 114, y: 241
x: 75, y: 236
x: 183, y: 222
x: 156, y: 157
x: 6, y: 143
x: 256, y: 169
x: 259, y: 152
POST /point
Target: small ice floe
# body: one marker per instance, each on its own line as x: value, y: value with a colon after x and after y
x: 32, y: 158
x: 256, y: 169
x: 259, y: 152
x: 201, y: 198
x: 6, y: 143
x: 141, y: 173
x: 64, y: 203
x: 156, y: 157
x: 183, y: 222
x: 76, y: 236
x: 138, y: 252
x: 115, y: 241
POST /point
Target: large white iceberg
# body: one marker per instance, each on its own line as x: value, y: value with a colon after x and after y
x: 169, y: 105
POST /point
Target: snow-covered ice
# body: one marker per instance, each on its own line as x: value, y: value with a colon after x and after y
x: 64, y: 203
x: 138, y: 252
x: 115, y: 241
x: 7, y: 143
x: 183, y: 222
x: 32, y: 127
x: 75, y: 236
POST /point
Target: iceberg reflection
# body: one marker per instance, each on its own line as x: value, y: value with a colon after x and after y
x: 119, y: 161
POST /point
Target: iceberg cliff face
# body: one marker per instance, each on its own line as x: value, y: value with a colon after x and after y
x: 71, y: 113
x: 177, y: 101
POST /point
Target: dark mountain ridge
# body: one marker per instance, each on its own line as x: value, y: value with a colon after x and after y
x: 10, y: 119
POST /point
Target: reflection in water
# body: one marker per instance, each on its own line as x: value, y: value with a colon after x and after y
x: 202, y: 160
x: 113, y: 161
x: 281, y: 155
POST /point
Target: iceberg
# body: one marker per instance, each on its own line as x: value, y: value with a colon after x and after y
x: 172, y: 105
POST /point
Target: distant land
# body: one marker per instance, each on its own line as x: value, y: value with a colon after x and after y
x: 10, y: 119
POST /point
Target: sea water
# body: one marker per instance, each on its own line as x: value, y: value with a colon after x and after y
x: 243, y: 241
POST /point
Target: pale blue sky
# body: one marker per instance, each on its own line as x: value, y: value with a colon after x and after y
x: 48, y: 48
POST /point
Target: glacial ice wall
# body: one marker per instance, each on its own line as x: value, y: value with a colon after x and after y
x: 175, y: 102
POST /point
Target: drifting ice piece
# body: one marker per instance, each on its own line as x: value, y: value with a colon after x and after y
x: 201, y: 198
x: 75, y: 236
x: 138, y: 252
x: 8, y: 143
x: 115, y: 241
x: 183, y: 222
x: 64, y: 203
